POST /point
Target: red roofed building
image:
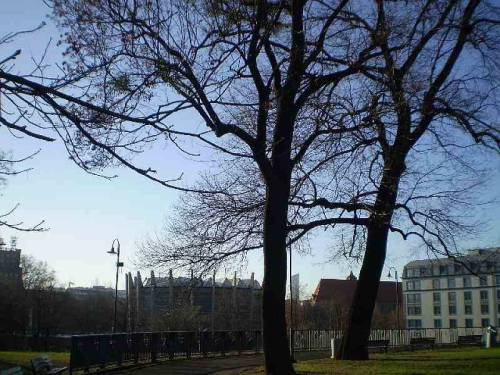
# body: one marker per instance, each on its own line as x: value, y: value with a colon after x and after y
x: 337, y: 295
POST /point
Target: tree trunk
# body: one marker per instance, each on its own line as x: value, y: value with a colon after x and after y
x: 354, y: 344
x: 355, y: 338
x: 277, y: 356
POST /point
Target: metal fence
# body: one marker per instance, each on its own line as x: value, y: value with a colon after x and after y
x: 321, y: 339
x: 35, y: 344
x: 101, y: 351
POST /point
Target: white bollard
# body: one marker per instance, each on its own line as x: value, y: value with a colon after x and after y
x: 490, y: 336
x: 332, y: 344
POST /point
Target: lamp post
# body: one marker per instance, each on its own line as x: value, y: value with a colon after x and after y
x: 118, y: 265
x: 397, y: 292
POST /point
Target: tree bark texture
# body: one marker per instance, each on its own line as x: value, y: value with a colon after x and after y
x: 354, y: 344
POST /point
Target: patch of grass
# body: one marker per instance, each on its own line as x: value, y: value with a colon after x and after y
x: 23, y: 359
x: 437, y: 362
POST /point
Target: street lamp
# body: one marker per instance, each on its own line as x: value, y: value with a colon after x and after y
x: 118, y: 265
x: 397, y: 291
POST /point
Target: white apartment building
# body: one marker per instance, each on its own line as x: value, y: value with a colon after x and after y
x: 447, y: 293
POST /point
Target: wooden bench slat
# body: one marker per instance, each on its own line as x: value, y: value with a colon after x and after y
x: 378, y: 344
x: 470, y: 340
x: 422, y: 342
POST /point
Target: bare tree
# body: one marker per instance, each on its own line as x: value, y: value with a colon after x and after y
x: 7, y: 169
x: 11, y: 118
x: 435, y: 89
x: 37, y: 275
x: 278, y: 84
x: 255, y: 73
x: 428, y: 104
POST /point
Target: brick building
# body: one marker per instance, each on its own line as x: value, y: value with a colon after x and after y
x: 336, y: 295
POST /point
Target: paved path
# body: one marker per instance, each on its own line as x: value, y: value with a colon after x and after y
x: 221, y: 366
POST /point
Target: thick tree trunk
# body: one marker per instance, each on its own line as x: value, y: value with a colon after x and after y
x: 277, y: 356
x: 355, y: 338
x: 354, y: 344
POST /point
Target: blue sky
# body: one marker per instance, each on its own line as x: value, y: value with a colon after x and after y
x: 85, y: 213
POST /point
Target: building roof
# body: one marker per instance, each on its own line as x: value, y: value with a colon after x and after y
x: 342, y: 291
x: 472, y: 256
x: 203, y: 283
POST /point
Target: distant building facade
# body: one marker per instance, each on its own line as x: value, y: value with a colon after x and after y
x: 219, y: 305
x: 10, y: 264
x: 336, y: 295
x: 447, y: 293
x: 96, y: 290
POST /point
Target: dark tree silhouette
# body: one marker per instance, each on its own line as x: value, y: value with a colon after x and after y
x: 255, y: 73
x: 299, y: 89
x: 437, y: 87
x: 11, y: 118
x: 430, y: 98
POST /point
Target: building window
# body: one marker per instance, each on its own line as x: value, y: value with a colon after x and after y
x: 457, y: 268
x: 452, y: 303
x: 436, y: 284
x: 467, y: 282
x: 414, y: 310
x: 498, y: 294
x: 453, y: 323
x: 483, y: 280
x: 497, y: 279
x: 413, y: 285
x: 413, y: 298
x: 443, y: 270
x: 469, y: 323
x: 468, y: 296
x: 484, y: 295
x: 436, y: 298
x: 485, y: 322
x: 468, y: 302
x: 485, y: 308
x: 414, y: 323
x: 451, y: 282
x: 452, y: 298
x: 437, y: 323
x: 413, y: 302
x: 413, y: 272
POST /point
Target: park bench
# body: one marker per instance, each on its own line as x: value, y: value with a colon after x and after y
x: 43, y: 365
x: 12, y: 371
x: 422, y: 343
x: 470, y: 340
x: 378, y: 345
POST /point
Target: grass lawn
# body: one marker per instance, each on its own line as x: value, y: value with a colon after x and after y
x: 23, y: 359
x: 443, y: 362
